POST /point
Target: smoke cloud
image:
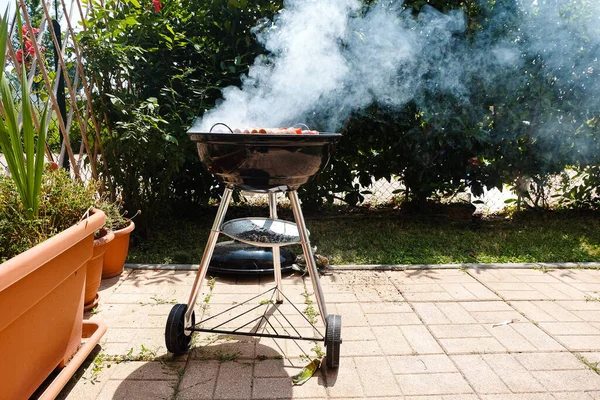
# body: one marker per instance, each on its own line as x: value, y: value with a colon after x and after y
x: 328, y: 58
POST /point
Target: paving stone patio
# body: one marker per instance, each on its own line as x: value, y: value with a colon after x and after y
x: 416, y: 334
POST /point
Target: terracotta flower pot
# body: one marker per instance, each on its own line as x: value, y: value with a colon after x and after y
x: 116, y: 252
x: 94, y: 270
x: 41, y: 298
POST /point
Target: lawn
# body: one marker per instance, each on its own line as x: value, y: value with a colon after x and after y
x: 394, y: 237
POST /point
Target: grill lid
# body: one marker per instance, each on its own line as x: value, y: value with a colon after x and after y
x: 264, y: 162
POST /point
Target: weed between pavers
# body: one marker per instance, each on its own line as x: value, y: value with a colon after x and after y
x: 158, y: 300
x: 263, y: 357
x: 218, y: 355
x: 103, y: 360
x: 177, y: 384
x: 591, y: 365
x: 97, y: 367
x: 223, y: 356
x: 542, y: 268
x: 309, y: 311
x: 211, y: 286
x: 312, y: 316
x: 94, y: 311
x: 591, y: 298
x: 204, y: 307
x: 319, y: 353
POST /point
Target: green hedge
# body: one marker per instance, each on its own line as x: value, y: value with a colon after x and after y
x: 509, y: 123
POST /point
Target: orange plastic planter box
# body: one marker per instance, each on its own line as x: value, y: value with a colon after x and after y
x: 41, y: 298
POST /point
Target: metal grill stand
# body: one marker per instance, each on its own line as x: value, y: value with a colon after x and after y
x: 266, y: 232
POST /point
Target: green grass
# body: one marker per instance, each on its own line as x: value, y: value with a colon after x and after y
x: 393, y: 237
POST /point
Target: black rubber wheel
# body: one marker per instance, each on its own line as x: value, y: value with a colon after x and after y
x: 176, y: 339
x: 333, y: 340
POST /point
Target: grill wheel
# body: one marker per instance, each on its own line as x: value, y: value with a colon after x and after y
x: 176, y: 340
x: 333, y: 340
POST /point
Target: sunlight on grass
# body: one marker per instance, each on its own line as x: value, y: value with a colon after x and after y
x: 593, y: 250
x: 397, y: 239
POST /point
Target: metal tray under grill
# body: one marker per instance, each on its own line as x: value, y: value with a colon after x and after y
x: 264, y: 232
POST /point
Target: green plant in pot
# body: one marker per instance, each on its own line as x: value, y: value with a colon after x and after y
x: 43, y: 270
x: 118, y: 248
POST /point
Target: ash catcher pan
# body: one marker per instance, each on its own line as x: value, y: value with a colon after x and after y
x: 233, y: 257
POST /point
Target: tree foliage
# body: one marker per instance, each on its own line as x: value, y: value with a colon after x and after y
x: 516, y: 121
x: 156, y: 72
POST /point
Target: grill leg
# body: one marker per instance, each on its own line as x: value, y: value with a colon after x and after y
x: 308, y: 254
x: 275, y: 249
x: 208, y: 251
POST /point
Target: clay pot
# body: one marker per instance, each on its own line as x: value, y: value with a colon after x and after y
x: 94, y: 269
x: 41, y: 298
x: 116, y: 252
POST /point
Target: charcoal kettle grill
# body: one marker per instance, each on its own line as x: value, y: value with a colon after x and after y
x: 270, y: 164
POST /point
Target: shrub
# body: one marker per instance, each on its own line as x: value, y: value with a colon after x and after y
x: 63, y: 203
x: 513, y: 121
x: 156, y: 71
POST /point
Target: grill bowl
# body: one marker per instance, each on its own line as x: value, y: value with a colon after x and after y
x: 264, y: 162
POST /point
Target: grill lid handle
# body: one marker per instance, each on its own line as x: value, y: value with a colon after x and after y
x: 220, y: 123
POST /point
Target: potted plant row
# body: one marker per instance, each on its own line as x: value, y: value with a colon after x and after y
x: 118, y: 248
x: 47, y: 228
x: 111, y: 246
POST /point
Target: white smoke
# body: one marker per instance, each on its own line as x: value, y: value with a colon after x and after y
x: 328, y: 58
x: 305, y: 62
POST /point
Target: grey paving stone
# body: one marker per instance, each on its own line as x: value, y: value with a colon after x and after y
x: 234, y: 381
x: 147, y: 370
x: 572, y: 380
x: 447, y: 348
x: 569, y: 328
x: 345, y: 382
x: 431, y: 314
x: 199, y: 380
x: 548, y: 361
x: 420, y: 340
x: 421, y: 364
x: 376, y: 377
x: 137, y: 390
x: 357, y: 333
x: 455, y: 313
x: 513, y: 374
x: 459, y: 331
x: 472, y: 345
x: 580, y: 342
x: 520, y: 396
x: 391, y: 340
x: 433, y: 384
x: 479, y: 374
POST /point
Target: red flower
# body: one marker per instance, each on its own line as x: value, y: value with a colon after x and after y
x: 25, y: 30
x: 29, y: 47
x: 19, y: 55
x: 157, y: 5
